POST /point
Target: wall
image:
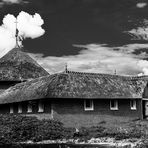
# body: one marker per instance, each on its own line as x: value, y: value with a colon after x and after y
x: 5, y: 109
x: 71, y: 112
x: 145, y: 93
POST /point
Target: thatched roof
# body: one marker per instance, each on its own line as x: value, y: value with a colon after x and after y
x: 76, y: 85
x: 17, y: 65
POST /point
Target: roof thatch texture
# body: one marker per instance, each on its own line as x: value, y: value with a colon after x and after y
x: 75, y: 85
x: 18, y: 66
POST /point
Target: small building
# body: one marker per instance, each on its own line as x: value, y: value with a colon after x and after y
x: 79, y: 99
x: 17, y: 66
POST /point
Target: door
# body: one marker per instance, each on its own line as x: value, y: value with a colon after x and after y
x: 146, y: 108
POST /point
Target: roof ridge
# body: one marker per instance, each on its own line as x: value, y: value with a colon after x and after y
x: 104, y: 75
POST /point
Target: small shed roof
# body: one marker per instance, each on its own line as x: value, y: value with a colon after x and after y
x: 17, y: 65
x: 76, y: 85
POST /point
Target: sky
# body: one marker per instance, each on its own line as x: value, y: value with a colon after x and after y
x: 97, y: 36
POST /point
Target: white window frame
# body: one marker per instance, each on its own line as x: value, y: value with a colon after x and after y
x: 20, y: 110
x: 91, y: 104
x: 116, y: 105
x: 40, y: 107
x: 134, y: 107
x: 29, y: 108
x: 11, y: 109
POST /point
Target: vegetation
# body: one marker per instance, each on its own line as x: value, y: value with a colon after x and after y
x: 117, y: 133
x: 16, y: 128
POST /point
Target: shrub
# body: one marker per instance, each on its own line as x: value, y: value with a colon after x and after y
x: 89, y: 132
x: 15, y: 128
x: 19, y: 128
x: 125, y: 133
x: 49, y: 130
x: 5, y: 135
x: 68, y: 133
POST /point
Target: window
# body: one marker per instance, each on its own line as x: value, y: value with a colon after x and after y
x: 41, y: 107
x: 88, y: 105
x: 29, y: 108
x: 19, y: 108
x: 11, y: 109
x: 113, y: 105
x: 133, y: 104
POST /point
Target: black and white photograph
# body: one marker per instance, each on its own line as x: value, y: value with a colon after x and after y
x: 73, y: 73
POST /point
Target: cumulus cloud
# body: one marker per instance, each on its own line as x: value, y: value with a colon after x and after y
x: 29, y: 26
x: 141, y: 5
x: 144, y: 65
x: 9, y: 2
x: 141, y: 32
x: 130, y: 48
x: 12, y: 1
x: 98, y: 59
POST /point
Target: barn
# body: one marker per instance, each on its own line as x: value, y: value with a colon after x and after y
x: 79, y: 99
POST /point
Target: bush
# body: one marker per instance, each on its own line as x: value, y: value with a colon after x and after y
x: 68, y: 133
x: 52, y: 130
x: 18, y: 128
x: 114, y: 132
x: 5, y: 135
x: 89, y: 132
x: 15, y: 128
x: 125, y: 133
x: 49, y: 130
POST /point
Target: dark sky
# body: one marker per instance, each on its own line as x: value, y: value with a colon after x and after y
x: 69, y: 22
x: 90, y: 23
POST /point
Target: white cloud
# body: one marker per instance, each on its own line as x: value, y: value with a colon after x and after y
x: 12, y: 1
x: 98, y: 59
x: 29, y: 26
x: 141, y: 32
x: 141, y: 5
x: 144, y: 65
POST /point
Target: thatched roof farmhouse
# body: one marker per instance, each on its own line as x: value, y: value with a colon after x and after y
x: 79, y: 99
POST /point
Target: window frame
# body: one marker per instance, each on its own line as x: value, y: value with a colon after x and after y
x: 20, y: 109
x: 134, y: 107
x: 91, y: 104
x: 41, y: 107
x: 116, y: 105
x: 11, y: 109
x: 29, y: 108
